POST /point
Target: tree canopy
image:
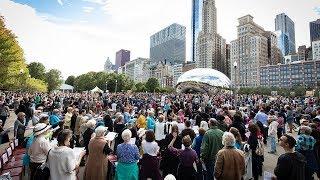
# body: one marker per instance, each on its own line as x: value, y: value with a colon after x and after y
x: 53, y: 79
x: 37, y: 70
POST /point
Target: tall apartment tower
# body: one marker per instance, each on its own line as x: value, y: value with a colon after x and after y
x: 314, y: 30
x: 196, y: 26
x: 169, y: 45
x: 248, y: 53
x: 122, y: 57
x: 286, y: 34
x: 211, y: 47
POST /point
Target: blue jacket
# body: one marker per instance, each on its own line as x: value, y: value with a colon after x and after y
x: 150, y: 123
x: 54, y: 120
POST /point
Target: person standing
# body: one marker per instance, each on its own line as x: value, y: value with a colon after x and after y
x: 4, y: 110
x: 97, y: 163
x: 40, y: 147
x: 150, y: 121
x: 62, y: 161
x: 19, y: 127
x: 291, y: 165
x: 188, y: 130
x: 272, y: 133
x: 67, y: 118
x: 211, y: 144
x: 230, y: 161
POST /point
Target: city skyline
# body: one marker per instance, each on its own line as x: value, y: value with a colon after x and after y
x: 101, y: 35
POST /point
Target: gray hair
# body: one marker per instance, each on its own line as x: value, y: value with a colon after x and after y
x: 91, y: 123
x: 100, y: 131
x: 228, y: 139
x: 126, y: 135
x: 305, y: 130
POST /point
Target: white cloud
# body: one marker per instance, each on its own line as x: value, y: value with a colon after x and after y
x: 60, y: 2
x: 88, y: 9
x: 75, y: 48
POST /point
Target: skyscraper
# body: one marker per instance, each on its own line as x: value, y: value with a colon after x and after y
x: 286, y: 27
x: 122, y: 57
x: 314, y: 30
x: 196, y: 26
x: 211, y: 47
x: 248, y: 53
x: 169, y: 44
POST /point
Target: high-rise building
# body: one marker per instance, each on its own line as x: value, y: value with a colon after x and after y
x: 169, y: 44
x: 196, y: 26
x: 211, y: 46
x: 248, y: 53
x: 274, y: 55
x: 302, y: 53
x: 108, y: 66
x: 314, y: 30
x: 136, y: 69
x: 316, y: 50
x: 286, y: 27
x: 122, y: 57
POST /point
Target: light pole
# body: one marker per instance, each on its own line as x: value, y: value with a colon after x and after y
x: 21, y: 80
x: 106, y: 86
x: 235, y: 65
x: 116, y: 86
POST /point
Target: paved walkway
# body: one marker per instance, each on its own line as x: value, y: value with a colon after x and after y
x: 269, y: 163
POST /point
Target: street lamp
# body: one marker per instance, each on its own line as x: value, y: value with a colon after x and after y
x: 116, y: 86
x: 235, y: 65
x: 106, y: 86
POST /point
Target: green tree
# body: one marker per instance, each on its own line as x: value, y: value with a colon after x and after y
x: 13, y: 69
x: 70, y: 80
x: 37, y: 70
x: 53, y: 79
x: 152, y: 85
x: 140, y: 87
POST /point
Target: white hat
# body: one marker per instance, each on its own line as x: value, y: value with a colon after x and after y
x: 40, y: 128
x: 43, y: 116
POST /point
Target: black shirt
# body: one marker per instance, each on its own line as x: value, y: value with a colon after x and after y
x: 290, y: 166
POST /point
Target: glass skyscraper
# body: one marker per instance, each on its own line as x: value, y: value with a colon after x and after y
x: 196, y: 25
x: 169, y: 45
x: 284, y: 24
x: 315, y: 30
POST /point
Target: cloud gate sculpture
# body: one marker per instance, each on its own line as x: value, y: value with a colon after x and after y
x: 203, y: 80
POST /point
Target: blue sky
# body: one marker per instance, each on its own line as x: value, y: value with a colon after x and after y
x: 77, y: 36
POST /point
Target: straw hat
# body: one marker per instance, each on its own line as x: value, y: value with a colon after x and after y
x: 40, y: 128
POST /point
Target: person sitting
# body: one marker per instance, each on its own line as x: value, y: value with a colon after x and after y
x: 230, y: 161
x: 128, y: 156
x: 97, y: 163
x: 62, y: 161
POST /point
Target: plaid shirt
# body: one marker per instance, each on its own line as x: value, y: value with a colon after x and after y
x: 305, y: 143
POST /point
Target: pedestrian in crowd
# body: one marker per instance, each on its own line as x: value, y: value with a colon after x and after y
x: 88, y: 132
x: 160, y: 133
x: 19, y: 128
x: 39, y: 148
x: 4, y: 110
x: 188, y: 157
x: 257, y: 158
x: 188, y: 130
x: 128, y: 156
x: 204, y: 125
x: 272, y: 133
x: 290, y: 165
x: 170, y: 161
x: 108, y: 122
x: 196, y: 145
x: 305, y: 146
x: 289, y: 118
x: 239, y: 124
x: 238, y: 144
x: 74, y: 117
x: 150, y: 163
x: 54, y: 118
x: 211, y: 144
x: 62, y: 161
x: 98, y: 149
x: 141, y: 121
x: 79, y: 122
x: 229, y: 158
x: 150, y: 121
x: 67, y: 118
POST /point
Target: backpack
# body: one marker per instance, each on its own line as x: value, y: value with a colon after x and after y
x: 260, y: 147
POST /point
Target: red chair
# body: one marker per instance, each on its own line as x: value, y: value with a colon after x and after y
x: 10, y: 164
x: 15, y: 173
x: 17, y: 151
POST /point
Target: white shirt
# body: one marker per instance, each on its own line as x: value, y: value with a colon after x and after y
x: 62, y: 163
x: 159, y: 131
x: 39, y: 149
x: 150, y: 148
x: 114, y: 106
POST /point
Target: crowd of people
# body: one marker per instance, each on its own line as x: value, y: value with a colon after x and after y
x: 165, y: 136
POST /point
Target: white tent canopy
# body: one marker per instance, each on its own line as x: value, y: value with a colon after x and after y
x: 96, y: 90
x: 66, y: 87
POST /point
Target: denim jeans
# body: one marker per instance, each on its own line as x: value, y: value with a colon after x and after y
x: 272, y: 143
x: 210, y: 169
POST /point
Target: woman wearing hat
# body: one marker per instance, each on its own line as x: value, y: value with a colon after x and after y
x: 40, y: 147
x: 97, y: 163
